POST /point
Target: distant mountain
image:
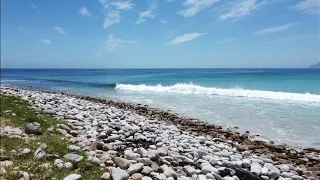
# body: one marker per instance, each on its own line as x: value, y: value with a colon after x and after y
x: 315, y: 65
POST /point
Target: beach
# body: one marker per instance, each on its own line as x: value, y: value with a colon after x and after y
x: 151, y: 143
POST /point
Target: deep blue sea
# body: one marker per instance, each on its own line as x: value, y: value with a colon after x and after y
x: 282, y: 105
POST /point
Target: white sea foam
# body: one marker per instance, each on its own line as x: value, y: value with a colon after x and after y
x: 183, y: 88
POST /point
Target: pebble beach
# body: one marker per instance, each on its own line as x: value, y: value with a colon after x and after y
x: 133, y: 141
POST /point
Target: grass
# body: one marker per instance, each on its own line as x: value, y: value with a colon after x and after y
x: 17, y: 113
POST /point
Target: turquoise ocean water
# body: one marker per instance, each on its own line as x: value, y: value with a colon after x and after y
x: 282, y: 105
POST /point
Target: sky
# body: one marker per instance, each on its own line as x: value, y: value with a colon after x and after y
x: 160, y: 33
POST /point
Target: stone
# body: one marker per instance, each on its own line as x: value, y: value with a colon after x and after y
x: 113, y: 138
x: 121, y: 162
x: 146, y: 170
x: 106, y: 147
x: 209, y: 176
x: 68, y: 166
x: 208, y: 169
x: 131, y: 155
x: 264, y: 171
x: 26, y: 151
x: 2, y: 171
x: 106, y: 176
x: 146, y: 178
x: 168, y: 171
x: 74, y: 148
x: 73, y: 157
x: 40, y: 153
x: 73, y: 177
x: 162, y: 151
x: 65, y: 127
x: 284, y: 168
x: 95, y: 161
x: 189, y: 170
x: 136, y: 176
x: 26, y: 175
x: 145, y: 161
x: 202, y: 177
x: 274, y: 174
x: 216, y: 176
x: 62, y: 131
x: 256, y: 168
x: 58, y: 163
x: 134, y: 168
x: 246, y: 163
x: 33, y: 128
x: 6, y: 163
x: 118, y: 174
x: 152, y: 154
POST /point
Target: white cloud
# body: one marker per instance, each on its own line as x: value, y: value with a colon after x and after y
x: 116, y: 43
x: 84, y: 12
x: 196, y: 6
x: 185, y: 38
x: 289, y: 39
x: 238, y: 10
x: 46, y: 41
x: 59, y: 30
x: 275, y: 29
x: 308, y: 6
x: 145, y: 15
x: 162, y: 21
x: 113, y: 17
x: 122, y: 5
x: 36, y: 8
x: 20, y: 28
x: 105, y: 3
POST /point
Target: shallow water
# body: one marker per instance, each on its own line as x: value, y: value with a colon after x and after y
x: 282, y: 105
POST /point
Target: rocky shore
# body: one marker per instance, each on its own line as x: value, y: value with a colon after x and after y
x: 130, y: 141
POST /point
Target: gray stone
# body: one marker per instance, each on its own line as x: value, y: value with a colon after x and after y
x: 65, y: 127
x: 25, y: 175
x: 68, y: 166
x: 134, y: 168
x: 73, y: 157
x: 284, y: 168
x: 189, y: 170
x: 145, y: 161
x: 74, y: 148
x: 264, y: 171
x: 62, y: 131
x: 40, y: 153
x: 216, y: 176
x: 208, y: 169
x: 73, y: 177
x: 121, y: 162
x: 154, y: 166
x: 26, y: 151
x: 162, y: 151
x: 95, y: 160
x: 107, y: 147
x: 58, y: 163
x: 33, y: 128
x: 131, y: 155
x: 113, y: 138
x: 6, y: 163
x: 209, y: 176
x: 118, y: 174
x: 246, y: 163
x: 146, y: 170
x: 146, y: 178
x: 152, y: 154
x: 202, y: 177
x: 106, y: 176
x: 256, y: 168
x: 136, y: 176
x: 168, y: 171
x: 274, y: 174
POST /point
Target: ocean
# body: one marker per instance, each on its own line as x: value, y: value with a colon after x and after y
x: 282, y: 105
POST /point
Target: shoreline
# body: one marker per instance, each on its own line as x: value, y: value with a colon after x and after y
x: 307, y: 157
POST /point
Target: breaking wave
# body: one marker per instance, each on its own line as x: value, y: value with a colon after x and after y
x: 184, y: 88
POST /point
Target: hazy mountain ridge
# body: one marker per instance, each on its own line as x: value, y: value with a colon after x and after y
x: 315, y: 65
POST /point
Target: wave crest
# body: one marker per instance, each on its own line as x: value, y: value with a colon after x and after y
x: 184, y: 88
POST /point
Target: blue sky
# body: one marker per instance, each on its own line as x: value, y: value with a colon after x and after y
x: 159, y: 33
